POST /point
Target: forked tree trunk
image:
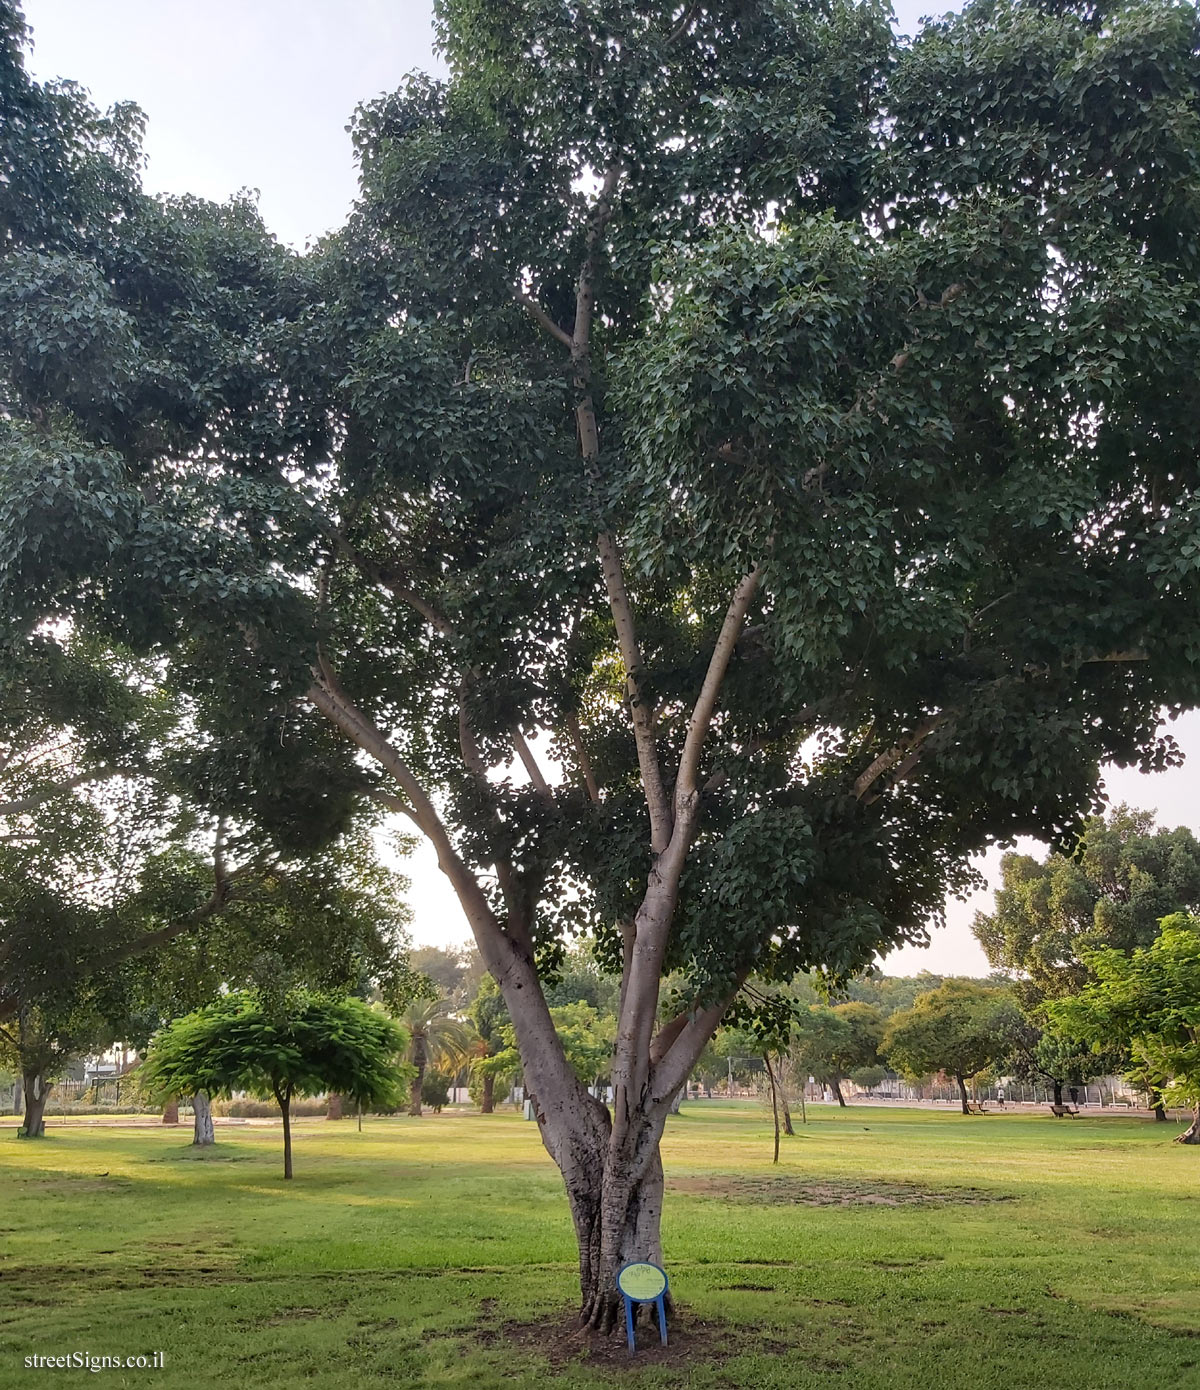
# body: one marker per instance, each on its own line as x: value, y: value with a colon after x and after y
x: 962, y: 1094
x: 420, y: 1058
x: 837, y: 1090
x: 202, y: 1123
x: 487, y: 1104
x: 37, y: 1092
x: 1191, y: 1135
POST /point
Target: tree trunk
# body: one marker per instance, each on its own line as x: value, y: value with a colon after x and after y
x: 962, y: 1094
x: 202, y: 1124
x: 677, y: 1099
x: 1160, y: 1111
x: 774, y: 1101
x: 420, y: 1057
x: 837, y: 1090
x: 18, y: 1098
x: 616, y: 1204
x: 170, y: 1114
x: 487, y: 1104
x: 333, y: 1110
x: 1058, y: 1100
x: 284, y: 1097
x: 1191, y: 1135
x: 37, y: 1092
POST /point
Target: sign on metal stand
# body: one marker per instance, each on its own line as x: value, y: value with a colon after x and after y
x: 643, y: 1282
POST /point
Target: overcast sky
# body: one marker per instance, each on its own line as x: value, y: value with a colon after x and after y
x: 257, y: 94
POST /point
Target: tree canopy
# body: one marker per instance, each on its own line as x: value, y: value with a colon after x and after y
x: 961, y: 1027
x: 789, y: 423
x: 1112, y: 890
x: 303, y: 1044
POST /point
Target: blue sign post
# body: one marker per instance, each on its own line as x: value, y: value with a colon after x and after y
x: 642, y: 1282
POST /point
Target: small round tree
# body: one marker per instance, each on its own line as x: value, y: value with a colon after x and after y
x: 301, y: 1045
x: 960, y: 1027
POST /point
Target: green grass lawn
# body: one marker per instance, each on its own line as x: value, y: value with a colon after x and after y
x: 891, y: 1248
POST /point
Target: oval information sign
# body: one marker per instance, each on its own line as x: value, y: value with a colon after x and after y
x: 643, y: 1282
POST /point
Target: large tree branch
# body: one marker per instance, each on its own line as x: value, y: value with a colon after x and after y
x: 530, y: 763
x: 702, y: 712
x: 904, y: 752
x: 327, y: 695
x: 684, y: 1051
x: 542, y: 318
x: 506, y: 956
x: 641, y: 712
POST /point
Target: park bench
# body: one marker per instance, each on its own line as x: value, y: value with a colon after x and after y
x: 1061, y: 1110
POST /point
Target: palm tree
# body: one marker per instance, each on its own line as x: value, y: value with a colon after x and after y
x: 437, y: 1039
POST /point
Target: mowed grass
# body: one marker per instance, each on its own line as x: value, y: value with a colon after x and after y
x: 1035, y: 1253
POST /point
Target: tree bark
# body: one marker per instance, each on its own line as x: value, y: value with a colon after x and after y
x: 37, y: 1092
x: 1058, y: 1100
x: 420, y: 1059
x: 1160, y: 1111
x: 677, y: 1099
x: 202, y: 1123
x: 333, y: 1109
x: 487, y: 1104
x: 962, y: 1093
x: 284, y: 1097
x: 836, y: 1085
x: 170, y: 1114
x: 18, y: 1098
x: 616, y: 1205
x: 1191, y: 1135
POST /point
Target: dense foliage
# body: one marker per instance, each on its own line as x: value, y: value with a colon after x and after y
x: 1148, y: 1000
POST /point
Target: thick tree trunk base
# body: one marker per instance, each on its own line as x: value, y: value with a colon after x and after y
x: 36, y: 1094
x: 202, y: 1124
x: 333, y: 1109
x: 170, y: 1114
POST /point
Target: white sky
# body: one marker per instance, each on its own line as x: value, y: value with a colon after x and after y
x: 257, y: 94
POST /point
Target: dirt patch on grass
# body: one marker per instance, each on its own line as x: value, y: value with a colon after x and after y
x: 832, y: 1193
x: 562, y: 1342
x: 69, y: 1185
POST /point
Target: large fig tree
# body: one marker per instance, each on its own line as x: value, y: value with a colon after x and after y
x: 732, y: 466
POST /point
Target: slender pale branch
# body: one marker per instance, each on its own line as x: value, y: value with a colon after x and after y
x: 575, y: 734
x: 391, y: 802
x: 542, y: 318
x: 525, y: 753
x: 706, y: 701
x: 641, y: 712
x: 21, y: 805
